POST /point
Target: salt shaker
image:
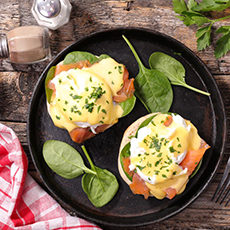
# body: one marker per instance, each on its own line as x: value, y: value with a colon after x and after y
x: 25, y: 45
x: 51, y: 13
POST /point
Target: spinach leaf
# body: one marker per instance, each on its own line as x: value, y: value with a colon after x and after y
x: 49, y: 76
x: 125, y: 152
x: 196, y: 169
x: 64, y: 159
x: 171, y: 68
x: 152, y: 87
x: 100, y: 187
x: 145, y: 123
x: 76, y: 56
x: 128, y: 105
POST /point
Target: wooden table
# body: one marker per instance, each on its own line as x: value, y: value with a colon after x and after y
x: 17, y: 81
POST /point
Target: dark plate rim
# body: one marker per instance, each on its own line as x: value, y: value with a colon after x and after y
x: 190, y: 53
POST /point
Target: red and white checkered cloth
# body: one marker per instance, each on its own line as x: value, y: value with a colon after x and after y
x: 23, y: 204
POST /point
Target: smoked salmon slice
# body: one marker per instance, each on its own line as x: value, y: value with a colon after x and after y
x: 193, y: 157
x: 127, y: 89
x: 170, y: 192
x: 79, y: 65
x: 138, y: 186
x: 126, y: 163
x: 79, y: 135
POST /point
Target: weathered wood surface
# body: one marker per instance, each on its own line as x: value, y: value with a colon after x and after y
x: 17, y: 81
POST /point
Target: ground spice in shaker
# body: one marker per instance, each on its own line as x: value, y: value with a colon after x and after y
x: 25, y: 45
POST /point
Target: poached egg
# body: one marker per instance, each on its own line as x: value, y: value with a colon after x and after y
x: 83, y: 97
x: 158, y: 149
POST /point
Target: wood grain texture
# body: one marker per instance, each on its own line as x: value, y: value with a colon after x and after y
x: 18, y: 81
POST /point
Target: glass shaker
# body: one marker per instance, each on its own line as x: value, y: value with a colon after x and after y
x: 25, y: 45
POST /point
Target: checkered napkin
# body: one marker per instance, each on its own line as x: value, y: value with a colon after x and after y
x: 23, y: 204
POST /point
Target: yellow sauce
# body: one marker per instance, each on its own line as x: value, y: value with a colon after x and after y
x: 161, y: 151
x: 83, y: 97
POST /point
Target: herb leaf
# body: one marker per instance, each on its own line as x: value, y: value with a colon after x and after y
x: 76, y: 56
x: 128, y: 105
x: 192, y: 13
x: 151, y: 87
x: 179, y: 6
x: 64, y: 159
x: 125, y: 152
x: 223, y: 44
x: 204, y: 37
x: 171, y: 68
x: 212, y: 5
x: 100, y: 187
x: 49, y: 77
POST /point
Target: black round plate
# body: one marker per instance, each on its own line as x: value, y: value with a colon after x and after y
x: 206, y: 113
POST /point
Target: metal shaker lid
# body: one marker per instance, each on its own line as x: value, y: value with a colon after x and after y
x: 49, y: 8
x: 51, y: 13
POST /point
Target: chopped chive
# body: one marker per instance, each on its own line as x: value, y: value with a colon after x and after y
x: 104, y: 111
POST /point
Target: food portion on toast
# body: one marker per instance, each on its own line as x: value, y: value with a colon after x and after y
x: 88, y: 94
x: 158, y: 154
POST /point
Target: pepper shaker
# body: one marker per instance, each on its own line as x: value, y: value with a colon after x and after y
x: 25, y: 45
x: 51, y: 13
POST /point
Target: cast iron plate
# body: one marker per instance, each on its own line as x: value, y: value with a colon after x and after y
x: 206, y: 113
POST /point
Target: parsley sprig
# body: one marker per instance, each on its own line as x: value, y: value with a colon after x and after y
x: 192, y: 13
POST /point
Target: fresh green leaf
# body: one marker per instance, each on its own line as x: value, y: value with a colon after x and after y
x: 171, y: 68
x: 192, y: 13
x: 223, y: 44
x: 145, y: 123
x: 200, y: 20
x: 152, y: 87
x: 204, y: 37
x: 64, y: 159
x: 223, y: 30
x: 125, y: 152
x: 194, y: 18
x: 49, y: 76
x: 191, y: 4
x: 128, y: 105
x: 76, y: 56
x: 100, y: 187
x: 211, y: 5
x: 179, y: 6
x: 196, y: 169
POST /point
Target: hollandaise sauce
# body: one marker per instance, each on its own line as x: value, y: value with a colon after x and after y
x: 157, y: 150
x: 84, y: 97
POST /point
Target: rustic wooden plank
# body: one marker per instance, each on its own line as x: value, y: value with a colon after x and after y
x: 92, y: 16
x: 16, y: 89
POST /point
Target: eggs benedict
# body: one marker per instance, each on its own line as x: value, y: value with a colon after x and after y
x: 158, y: 154
x: 88, y: 98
